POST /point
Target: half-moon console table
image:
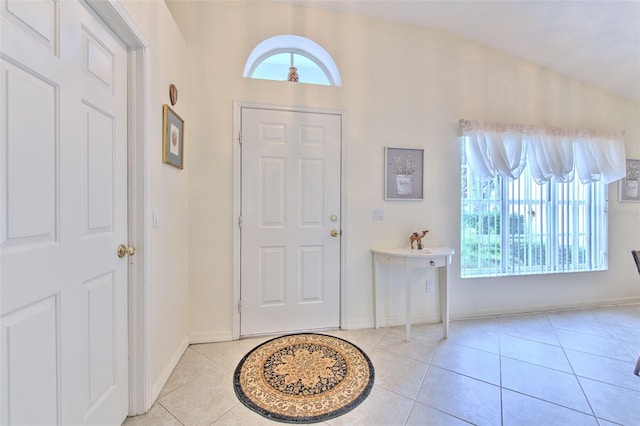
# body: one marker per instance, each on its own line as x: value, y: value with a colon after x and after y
x: 434, y: 257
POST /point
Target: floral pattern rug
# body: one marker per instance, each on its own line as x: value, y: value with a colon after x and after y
x: 303, y: 378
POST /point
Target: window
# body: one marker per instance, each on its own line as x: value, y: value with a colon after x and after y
x: 517, y: 227
x: 275, y: 67
x: 534, y: 199
x: 273, y: 58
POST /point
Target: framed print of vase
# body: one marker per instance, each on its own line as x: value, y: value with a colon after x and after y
x: 172, y: 137
x: 628, y: 191
x: 403, y: 173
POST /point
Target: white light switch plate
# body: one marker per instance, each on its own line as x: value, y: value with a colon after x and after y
x: 156, y: 217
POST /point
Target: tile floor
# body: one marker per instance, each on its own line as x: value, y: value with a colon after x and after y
x: 558, y: 368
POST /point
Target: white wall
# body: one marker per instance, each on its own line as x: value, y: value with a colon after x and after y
x: 169, y: 191
x: 402, y: 86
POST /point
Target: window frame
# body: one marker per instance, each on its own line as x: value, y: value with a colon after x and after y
x: 297, y: 45
x: 551, y: 230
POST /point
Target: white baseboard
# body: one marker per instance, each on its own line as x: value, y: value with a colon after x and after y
x: 210, y: 337
x: 360, y: 323
x: 162, y: 380
x: 391, y: 321
x: 544, y: 308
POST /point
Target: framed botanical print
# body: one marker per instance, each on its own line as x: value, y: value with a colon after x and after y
x: 172, y: 137
x: 628, y: 190
x: 404, y: 174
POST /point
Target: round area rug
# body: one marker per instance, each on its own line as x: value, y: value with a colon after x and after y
x: 303, y: 378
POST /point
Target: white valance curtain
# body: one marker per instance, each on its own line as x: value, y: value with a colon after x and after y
x: 549, y: 152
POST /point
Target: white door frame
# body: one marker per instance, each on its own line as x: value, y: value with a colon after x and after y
x: 139, y: 200
x: 237, y: 176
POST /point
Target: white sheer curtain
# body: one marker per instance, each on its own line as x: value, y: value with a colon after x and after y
x: 550, y: 153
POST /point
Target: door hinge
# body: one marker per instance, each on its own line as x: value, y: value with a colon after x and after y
x: 240, y: 306
x: 240, y: 221
x: 240, y: 138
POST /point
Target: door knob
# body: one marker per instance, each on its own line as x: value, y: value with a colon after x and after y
x: 124, y: 250
x: 335, y: 232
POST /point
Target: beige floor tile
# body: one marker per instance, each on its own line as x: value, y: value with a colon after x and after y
x: 616, y: 316
x: 486, y: 324
x: 421, y: 415
x: 191, y: 365
x: 381, y: 408
x: 471, y: 362
x: 533, y: 352
x: 582, y: 321
x: 432, y: 332
x: 604, y: 369
x: 612, y: 403
x: 240, y: 415
x: 156, y: 416
x: 418, y: 348
x: 468, y: 399
x: 484, y: 338
x: 546, y: 335
x: 228, y: 354
x: 365, y: 339
x: 424, y: 332
x: 535, y: 370
x: 602, y: 422
x: 534, y: 327
x: 204, y: 399
x: 597, y: 345
x: 523, y: 410
x: 544, y: 383
x: 628, y: 336
x: 397, y: 373
x: 539, y: 320
x: 433, y: 328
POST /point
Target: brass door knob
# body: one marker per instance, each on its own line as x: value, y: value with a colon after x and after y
x: 124, y: 250
x: 335, y: 232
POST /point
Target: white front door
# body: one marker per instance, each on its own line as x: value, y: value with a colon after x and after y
x: 63, y: 213
x: 290, y: 262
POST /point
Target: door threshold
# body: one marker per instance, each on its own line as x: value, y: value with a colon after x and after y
x: 284, y: 333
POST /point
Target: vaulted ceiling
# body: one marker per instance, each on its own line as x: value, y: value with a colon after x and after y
x: 596, y: 42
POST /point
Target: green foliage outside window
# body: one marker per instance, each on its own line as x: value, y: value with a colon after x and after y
x: 482, y: 245
x: 483, y: 237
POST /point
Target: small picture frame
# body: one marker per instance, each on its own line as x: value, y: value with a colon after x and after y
x: 403, y: 173
x: 172, y: 137
x: 628, y: 191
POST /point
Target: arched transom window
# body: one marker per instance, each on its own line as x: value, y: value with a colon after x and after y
x: 294, y: 58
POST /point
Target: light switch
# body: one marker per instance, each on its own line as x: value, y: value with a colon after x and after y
x: 378, y: 214
x: 156, y: 217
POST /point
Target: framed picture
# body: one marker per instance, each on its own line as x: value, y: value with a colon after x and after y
x: 628, y: 191
x: 403, y: 173
x: 172, y: 137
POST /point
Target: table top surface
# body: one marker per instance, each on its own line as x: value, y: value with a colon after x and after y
x: 408, y: 252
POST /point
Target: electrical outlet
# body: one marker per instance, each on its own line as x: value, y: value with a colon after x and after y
x: 429, y: 286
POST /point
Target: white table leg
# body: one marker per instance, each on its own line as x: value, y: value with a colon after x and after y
x: 376, y: 308
x: 407, y: 286
x: 444, y: 298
